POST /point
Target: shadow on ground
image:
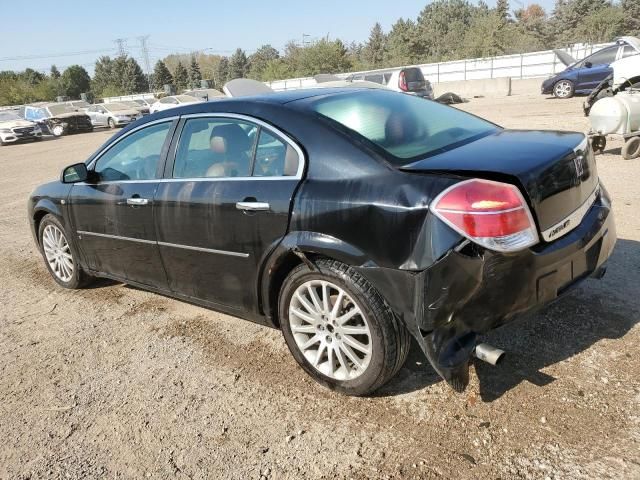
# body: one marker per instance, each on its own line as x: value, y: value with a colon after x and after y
x: 561, y: 330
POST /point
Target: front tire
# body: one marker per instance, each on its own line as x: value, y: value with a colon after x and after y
x: 340, y: 330
x: 57, y: 130
x: 564, y: 89
x: 111, y: 123
x: 59, y: 255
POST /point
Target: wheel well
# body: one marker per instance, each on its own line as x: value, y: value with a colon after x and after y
x: 37, y: 218
x: 288, y: 263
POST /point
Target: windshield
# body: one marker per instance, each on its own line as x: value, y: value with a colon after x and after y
x: 115, y: 107
x: 404, y: 126
x: 186, y: 99
x: 9, y: 117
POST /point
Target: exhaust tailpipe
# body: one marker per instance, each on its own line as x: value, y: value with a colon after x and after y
x: 489, y: 354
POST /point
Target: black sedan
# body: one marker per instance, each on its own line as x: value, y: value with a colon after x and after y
x: 352, y: 219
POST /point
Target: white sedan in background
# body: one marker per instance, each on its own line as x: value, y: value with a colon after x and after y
x: 173, y: 101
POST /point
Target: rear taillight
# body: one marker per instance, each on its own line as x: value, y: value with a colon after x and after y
x: 402, y: 82
x: 492, y: 214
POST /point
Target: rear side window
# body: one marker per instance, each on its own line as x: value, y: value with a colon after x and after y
x: 215, y: 147
x: 220, y: 147
x: 629, y: 51
x: 403, y: 126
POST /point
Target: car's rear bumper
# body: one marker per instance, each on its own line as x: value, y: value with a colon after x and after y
x: 470, y: 290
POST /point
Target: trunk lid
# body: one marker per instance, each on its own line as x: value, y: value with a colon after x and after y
x: 556, y: 171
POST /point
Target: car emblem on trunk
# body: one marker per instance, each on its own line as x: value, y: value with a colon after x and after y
x: 577, y: 161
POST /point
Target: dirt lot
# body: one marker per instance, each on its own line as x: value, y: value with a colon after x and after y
x: 114, y: 382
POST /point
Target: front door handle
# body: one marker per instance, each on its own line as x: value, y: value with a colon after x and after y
x: 137, y: 201
x: 253, y: 206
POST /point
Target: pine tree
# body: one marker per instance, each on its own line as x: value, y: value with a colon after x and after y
x: 133, y: 79
x: 631, y: 10
x: 180, y: 77
x: 374, y: 49
x: 238, y: 64
x: 161, y: 76
x: 55, y: 73
x: 195, y: 76
x: 222, y: 72
x: 502, y: 10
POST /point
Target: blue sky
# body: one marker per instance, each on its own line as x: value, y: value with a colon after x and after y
x: 63, y: 27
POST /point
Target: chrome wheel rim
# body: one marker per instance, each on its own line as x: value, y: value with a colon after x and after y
x: 563, y: 89
x: 57, y: 252
x: 330, y: 330
x: 58, y: 130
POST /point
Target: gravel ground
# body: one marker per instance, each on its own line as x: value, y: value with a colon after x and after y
x: 115, y: 382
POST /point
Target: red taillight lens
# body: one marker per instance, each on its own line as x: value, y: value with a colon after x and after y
x: 402, y: 82
x: 492, y: 214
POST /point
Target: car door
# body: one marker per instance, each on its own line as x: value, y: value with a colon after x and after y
x: 113, y: 212
x: 91, y: 111
x: 224, y: 206
x: 595, y: 68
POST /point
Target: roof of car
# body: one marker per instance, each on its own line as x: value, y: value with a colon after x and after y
x: 287, y: 96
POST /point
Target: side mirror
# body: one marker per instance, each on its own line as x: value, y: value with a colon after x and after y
x: 75, y: 173
x: 588, y: 64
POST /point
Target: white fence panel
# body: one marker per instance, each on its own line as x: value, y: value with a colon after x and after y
x: 526, y: 65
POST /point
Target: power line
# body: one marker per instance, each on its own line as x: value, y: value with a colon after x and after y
x: 53, y: 55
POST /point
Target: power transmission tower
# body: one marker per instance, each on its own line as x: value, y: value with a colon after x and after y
x: 122, y: 46
x: 145, y: 57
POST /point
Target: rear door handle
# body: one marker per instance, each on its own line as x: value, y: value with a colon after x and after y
x: 253, y: 206
x: 137, y: 201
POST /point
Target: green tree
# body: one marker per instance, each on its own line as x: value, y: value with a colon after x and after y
x: 441, y: 26
x: 161, y: 75
x: 195, y: 76
x: 276, y: 69
x: 75, y: 80
x: 403, y: 45
x: 631, y: 11
x: 102, y: 76
x: 238, y: 64
x: 569, y: 15
x: 502, y: 11
x: 222, y: 72
x: 602, y: 25
x: 133, y: 79
x: 375, y: 46
x: 259, y: 60
x: 324, y: 56
x: 54, y: 73
x: 180, y: 77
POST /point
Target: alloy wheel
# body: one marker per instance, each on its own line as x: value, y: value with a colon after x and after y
x: 330, y: 330
x: 58, y: 130
x: 562, y: 89
x: 57, y: 253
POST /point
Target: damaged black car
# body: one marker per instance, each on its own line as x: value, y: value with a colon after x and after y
x: 57, y: 119
x: 352, y: 219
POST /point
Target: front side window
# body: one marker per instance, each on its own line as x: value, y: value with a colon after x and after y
x: 603, y: 57
x: 403, y: 126
x: 135, y: 157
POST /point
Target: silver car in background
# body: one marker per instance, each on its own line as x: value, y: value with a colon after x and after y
x: 112, y: 115
x: 132, y: 104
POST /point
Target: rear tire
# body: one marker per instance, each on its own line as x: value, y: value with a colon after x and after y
x: 59, y: 255
x: 631, y: 148
x: 564, y: 89
x: 373, y: 328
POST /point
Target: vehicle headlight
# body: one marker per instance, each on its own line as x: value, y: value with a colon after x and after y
x: 6, y: 130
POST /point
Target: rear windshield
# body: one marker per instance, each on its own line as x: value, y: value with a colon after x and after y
x: 403, y: 126
x: 413, y: 75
